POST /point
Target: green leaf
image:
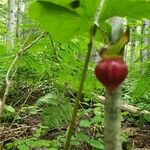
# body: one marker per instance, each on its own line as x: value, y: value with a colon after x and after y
x: 117, y: 49
x: 23, y: 147
x: 39, y: 143
x: 10, y: 109
x: 9, y: 145
x: 61, y: 22
x: 53, y: 149
x: 83, y: 137
x: 84, y: 123
x: 124, y: 137
x: 130, y: 8
x: 97, y: 119
x: 49, y: 98
x: 89, y: 7
x: 97, y: 144
x: 57, y: 111
x: 147, y: 117
x: 58, y: 2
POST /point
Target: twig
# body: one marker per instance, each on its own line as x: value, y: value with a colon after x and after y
x: 17, y: 114
x: 9, y: 77
x: 13, y: 130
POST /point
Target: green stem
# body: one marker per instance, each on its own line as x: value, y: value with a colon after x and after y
x: 76, y: 105
x: 77, y: 101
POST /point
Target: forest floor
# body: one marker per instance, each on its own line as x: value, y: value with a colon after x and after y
x: 138, y: 135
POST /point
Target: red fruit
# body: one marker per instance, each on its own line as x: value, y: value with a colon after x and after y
x: 111, y: 72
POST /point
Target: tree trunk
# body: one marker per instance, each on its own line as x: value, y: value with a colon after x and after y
x: 112, y: 116
x: 148, y: 38
x: 133, y: 42
x: 144, y: 41
x: 3, y: 22
x: 25, y: 4
x: 11, y: 23
x: 18, y: 15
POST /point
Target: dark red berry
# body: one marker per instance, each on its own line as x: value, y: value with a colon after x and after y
x: 111, y: 72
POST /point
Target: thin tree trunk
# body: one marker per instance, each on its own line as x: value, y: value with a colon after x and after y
x: 3, y: 22
x: 133, y: 41
x: 112, y: 116
x: 11, y: 23
x: 18, y: 15
x: 25, y: 3
x: 148, y: 49
x: 126, y: 52
x: 144, y: 41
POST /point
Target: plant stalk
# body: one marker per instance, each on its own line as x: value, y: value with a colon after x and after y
x: 112, y: 115
x: 77, y: 101
x: 112, y: 120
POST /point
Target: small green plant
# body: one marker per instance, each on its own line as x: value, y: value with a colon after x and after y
x: 29, y: 143
x: 124, y: 137
x: 96, y: 143
x: 8, y: 114
x: 57, y: 109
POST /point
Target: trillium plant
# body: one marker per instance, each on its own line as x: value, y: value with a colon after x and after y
x: 66, y: 19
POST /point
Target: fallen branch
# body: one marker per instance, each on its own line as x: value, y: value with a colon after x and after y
x: 14, y: 132
x: 126, y: 107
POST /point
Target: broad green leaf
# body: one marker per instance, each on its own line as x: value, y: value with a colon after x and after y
x: 61, y: 22
x: 130, y: 8
x: 89, y: 7
x: 58, y: 2
x: 64, y: 23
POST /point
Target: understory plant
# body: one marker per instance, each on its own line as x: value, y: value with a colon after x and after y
x: 79, y: 13
x: 69, y: 22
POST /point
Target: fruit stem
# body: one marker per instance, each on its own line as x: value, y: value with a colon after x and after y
x: 112, y: 115
x: 112, y: 120
x: 77, y: 101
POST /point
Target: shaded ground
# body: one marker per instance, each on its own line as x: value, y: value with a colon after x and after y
x: 139, y: 137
